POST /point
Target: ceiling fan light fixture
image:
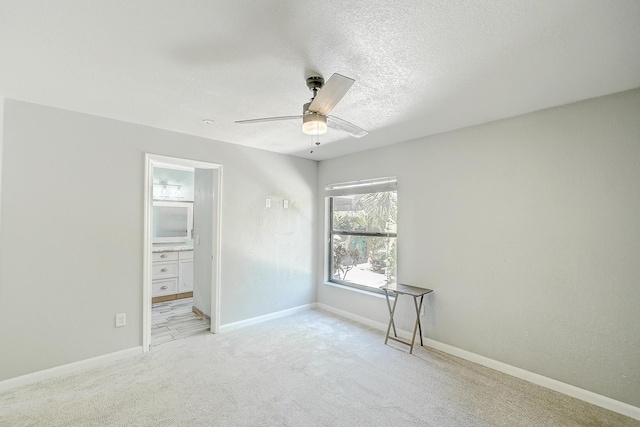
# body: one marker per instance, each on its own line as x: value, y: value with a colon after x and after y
x: 314, y: 124
x: 315, y: 112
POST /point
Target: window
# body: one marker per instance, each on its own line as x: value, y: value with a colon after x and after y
x: 362, y: 233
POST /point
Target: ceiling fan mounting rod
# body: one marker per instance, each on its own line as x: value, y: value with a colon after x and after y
x: 314, y: 83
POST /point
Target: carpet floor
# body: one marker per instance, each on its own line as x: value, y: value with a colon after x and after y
x: 308, y: 369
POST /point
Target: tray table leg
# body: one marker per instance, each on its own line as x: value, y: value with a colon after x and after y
x: 391, y: 312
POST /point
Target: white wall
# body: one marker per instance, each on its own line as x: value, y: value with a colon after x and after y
x: 528, y: 230
x: 71, y: 240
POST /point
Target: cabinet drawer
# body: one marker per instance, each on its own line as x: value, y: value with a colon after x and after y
x: 162, y: 287
x: 185, y: 255
x: 164, y: 269
x: 165, y: 256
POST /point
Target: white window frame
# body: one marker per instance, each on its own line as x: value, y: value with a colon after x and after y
x: 348, y: 189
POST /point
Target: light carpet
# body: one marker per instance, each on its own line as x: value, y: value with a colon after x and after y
x: 308, y: 369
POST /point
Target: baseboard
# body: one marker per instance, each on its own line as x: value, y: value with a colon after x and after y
x: 264, y: 318
x: 200, y: 313
x: 101, y: 360
x: 171, y: 297
x: 555, y: 385
x: 365, y: 321
x: 94, y: 362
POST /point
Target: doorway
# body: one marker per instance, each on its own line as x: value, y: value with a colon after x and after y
x: 205, y: 237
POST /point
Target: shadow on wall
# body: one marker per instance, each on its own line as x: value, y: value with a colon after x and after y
x: 270, y: 265
x: 266, y: 283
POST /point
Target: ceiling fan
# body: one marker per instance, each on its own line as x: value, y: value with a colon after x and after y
x: 315, y: 113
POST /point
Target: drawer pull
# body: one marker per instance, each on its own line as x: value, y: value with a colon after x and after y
x: 163, y: 256
x: 163, y: 288
x: 163, y: 270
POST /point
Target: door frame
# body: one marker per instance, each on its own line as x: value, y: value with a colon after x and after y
x: 150, y: 161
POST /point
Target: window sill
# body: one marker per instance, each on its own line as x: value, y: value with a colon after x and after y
x: 358, y: 290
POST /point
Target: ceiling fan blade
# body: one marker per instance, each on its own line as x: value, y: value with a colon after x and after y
x: 268, y: 119
x: 350, y: 128
x: 331, y: 93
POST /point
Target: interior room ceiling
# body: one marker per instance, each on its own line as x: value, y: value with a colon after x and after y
x: 420, y: 67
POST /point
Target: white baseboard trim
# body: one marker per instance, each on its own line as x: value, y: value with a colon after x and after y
x: 555, y: 385
x: 93, y: 362
x: 360, y: 319
x: 264, y: 318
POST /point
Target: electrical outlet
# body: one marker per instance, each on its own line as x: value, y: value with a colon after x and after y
x: 121, y: 320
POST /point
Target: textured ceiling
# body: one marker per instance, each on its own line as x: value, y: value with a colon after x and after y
x: 421, y: 67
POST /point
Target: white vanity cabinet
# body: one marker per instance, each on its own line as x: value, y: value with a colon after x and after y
x: 172, y: 274
x: 185, y: 271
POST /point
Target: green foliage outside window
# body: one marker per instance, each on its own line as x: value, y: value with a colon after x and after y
x: 374, y: 213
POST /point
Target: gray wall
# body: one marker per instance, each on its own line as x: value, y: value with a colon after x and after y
x: 528, y: 230
x: 1, y: 151
x: 204, y: 224
x: 71, y: 240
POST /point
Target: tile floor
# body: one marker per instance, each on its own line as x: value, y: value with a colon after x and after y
x: 172, y: 320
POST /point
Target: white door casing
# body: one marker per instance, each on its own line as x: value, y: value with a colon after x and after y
x: 215, y: 238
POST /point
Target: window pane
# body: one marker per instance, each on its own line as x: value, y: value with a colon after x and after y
x: 365, y: 261
x: 372, y: 212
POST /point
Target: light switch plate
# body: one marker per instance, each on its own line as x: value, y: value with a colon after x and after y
x: 267, y: 203
x: 285, y: 204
